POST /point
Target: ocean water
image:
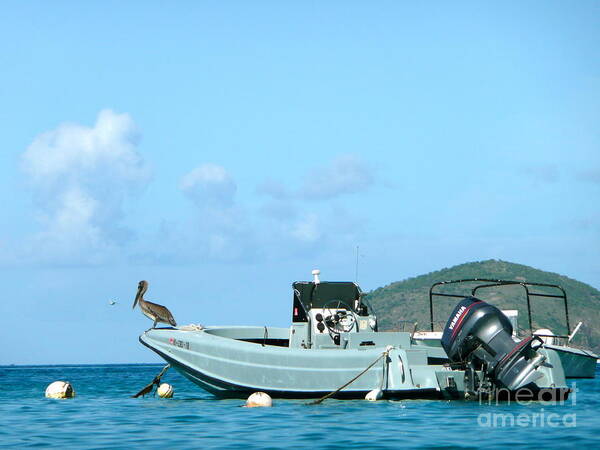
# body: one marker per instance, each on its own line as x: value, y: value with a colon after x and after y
x: 102, y: 415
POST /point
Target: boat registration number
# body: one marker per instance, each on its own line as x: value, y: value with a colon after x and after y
x: 179, y: 343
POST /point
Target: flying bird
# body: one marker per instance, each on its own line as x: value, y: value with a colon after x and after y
x: 112, y: 302
x: 157, y: 313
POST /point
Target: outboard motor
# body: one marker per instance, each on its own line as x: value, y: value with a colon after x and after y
x: 480, y: 334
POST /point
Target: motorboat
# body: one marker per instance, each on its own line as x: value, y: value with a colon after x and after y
x: 334, y: 346
x: 576, y: 362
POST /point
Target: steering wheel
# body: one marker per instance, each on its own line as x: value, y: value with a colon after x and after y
x: 338, y: 316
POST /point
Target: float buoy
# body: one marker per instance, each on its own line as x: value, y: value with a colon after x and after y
x: 374, y: 395
x: 165, y: 390
x: 60, y: 389
x: 259, y: 399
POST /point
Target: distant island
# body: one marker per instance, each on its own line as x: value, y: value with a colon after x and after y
x: 408, y: 300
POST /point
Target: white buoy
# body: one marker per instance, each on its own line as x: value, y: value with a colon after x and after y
x: 60, y: 389
x: 259, y: 399
x: 374, y: 395
x: 165, y: 390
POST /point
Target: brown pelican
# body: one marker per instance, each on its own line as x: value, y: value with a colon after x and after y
x: 158, y: 313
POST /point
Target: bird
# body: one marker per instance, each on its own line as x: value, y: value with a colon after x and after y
x: 158, y: 313
x: 112, y: 302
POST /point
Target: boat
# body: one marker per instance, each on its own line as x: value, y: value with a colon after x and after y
x: 333, y: 347
x: 576, y: 362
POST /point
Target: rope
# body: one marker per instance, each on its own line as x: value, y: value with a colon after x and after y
x: 384, y: 373
x: 147, y: 389
x: 192, y: 327
x: 325, y: 397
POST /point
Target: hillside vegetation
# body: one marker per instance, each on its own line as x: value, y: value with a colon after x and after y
x: 408, y: 300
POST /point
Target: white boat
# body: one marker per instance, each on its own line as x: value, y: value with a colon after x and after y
x: 334, y: 346
x: 576, y: 362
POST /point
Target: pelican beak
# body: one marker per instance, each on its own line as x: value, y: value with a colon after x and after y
x: 137, y: 296
x: 142, y: 286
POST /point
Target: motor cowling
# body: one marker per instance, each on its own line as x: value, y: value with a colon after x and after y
x: 478, y: 332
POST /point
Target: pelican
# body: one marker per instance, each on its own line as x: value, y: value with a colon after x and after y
x: 158, y: 313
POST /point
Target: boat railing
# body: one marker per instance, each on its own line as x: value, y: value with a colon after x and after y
x: 531, y: 290
x: 413, y: 327
x: 407, y: 326
x: 559, y: 340
x: 309, y: 335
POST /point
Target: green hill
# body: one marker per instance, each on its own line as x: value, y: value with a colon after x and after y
x: 408, y: 300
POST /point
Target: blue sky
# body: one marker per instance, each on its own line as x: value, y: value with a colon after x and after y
x: 222, y: 150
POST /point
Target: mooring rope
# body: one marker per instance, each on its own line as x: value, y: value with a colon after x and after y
x: 384, y: 373
x: 155, y: 381
x: 325, y: 397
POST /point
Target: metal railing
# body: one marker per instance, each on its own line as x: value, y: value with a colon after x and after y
x: 488, y: 283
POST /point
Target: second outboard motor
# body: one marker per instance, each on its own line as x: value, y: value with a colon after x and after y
x: 478, y: 332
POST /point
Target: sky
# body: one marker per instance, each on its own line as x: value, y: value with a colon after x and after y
x: 222, y: 150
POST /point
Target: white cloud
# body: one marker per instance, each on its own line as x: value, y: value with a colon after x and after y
x: 81, y: 177
x: 225, y: 229
x: 76, y: 210
x: 222, y: 229
x: 73, y: 152
x: 347, y: 174
x: 295, y: 219
x: 306, y: 229
x: 209, y: 185
x: 273, y: 189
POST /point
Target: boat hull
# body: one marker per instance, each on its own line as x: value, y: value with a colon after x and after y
x: 232, y: 362
x: 232, y: 368
x: 576, y: 363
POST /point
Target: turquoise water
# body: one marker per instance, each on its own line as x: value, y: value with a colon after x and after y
x: 103, y: 416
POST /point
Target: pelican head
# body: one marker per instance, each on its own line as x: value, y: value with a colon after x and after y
x: 142, y: 288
